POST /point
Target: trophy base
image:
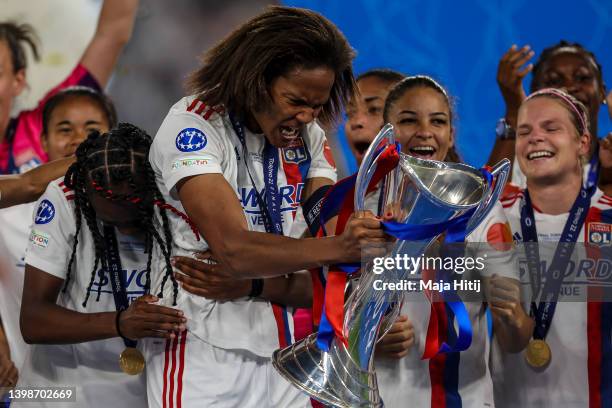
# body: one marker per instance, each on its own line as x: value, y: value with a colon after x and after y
x: 329, y: 377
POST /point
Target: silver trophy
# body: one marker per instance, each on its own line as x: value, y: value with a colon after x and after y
x: 416, y: 192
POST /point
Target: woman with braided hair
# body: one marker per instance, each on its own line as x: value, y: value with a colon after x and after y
x: 86, y: 295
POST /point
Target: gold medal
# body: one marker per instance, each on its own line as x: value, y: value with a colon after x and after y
x: 131, y: 361
x: 538, y: 353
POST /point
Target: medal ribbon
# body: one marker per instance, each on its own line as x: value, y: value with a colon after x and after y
x: 543, y: 312
x: 114, y: 269
x: 270, y: 207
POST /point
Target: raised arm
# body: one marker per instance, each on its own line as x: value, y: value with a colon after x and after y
x: 112, y: 33
x: 510, y: 73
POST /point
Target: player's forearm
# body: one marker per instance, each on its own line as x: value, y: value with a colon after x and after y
x: 502, y: 149
x: 256, y: 254
x: 116, y: 20
x: 294, y: 290
x: 53, y: 324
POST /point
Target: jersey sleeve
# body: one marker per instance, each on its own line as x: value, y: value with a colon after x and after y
x: 187, y: 145
x: 492, y: 240
x: 52, y: 233
x: 322, y: 160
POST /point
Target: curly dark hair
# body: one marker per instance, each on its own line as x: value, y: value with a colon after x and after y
x: 237, y: 72
x: 107, y: 160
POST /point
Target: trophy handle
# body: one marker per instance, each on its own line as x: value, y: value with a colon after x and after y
x: 500, y: 173
x: 367, y: 168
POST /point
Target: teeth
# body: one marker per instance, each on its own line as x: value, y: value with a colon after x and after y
x: 288, y: 131
x: 537, y: 155
x: 425, y: 149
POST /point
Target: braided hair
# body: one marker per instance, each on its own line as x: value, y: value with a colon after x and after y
x: 107, y: 160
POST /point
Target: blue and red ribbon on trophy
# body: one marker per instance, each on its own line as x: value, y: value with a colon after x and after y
x: 328, y: 297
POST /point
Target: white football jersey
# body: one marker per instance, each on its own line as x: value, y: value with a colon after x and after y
x: 196, y: 139
x: 580, y: 335
x: 14, y: 234
x: 455, y: 379
x: 92, y: 367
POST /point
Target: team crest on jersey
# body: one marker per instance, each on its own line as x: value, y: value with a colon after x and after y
x: 45, y: 212
x: 294, y: 155
x: 599, y: 233
x: 295, y: 152
x: 190, y: 140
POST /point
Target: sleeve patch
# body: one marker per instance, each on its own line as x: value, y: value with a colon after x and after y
x: 190, y: 140
x: 45, y: 212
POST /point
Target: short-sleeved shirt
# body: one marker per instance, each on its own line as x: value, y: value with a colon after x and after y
x: 22, y: 148
x: 460, y: 379
x: 90, y: 366
x: 196, y: 139
x: 580, y: 335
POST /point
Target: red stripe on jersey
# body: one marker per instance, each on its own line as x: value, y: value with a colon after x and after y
x: 280, y: 324
x: 605, y: 200
x: 208, y: 113
x: 194, y: 103
x: 437, y: 363
x: 510, y: 190
x: 172, y: 370
x: 61, y: 184
x: 594, y: 345
x: 594, y: 353
x: 66, y: 189
x: 200, y: 109
x: 294, y: 177
x: 70, y: 197
x: 166, y: 360
x: 179, y: 391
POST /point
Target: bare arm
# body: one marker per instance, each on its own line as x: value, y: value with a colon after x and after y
x: 513, y: 327
x: 246, y: 253
x: 510, y: 73
x: 8, y: 371
x: 206, y: 278
x: 112, y: 33
x: 45, y: 322
x: 27, y: 187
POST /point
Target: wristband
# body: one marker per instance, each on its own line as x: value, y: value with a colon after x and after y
x: 256, y: 288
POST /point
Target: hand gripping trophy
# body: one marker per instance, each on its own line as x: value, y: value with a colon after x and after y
x: 427, y: 198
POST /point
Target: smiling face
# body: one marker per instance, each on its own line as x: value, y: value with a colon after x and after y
x: 422, y: 121
x: 297, y: 99
x: 70, y: 123
x: 365, y: 114
x: 573, y: 71
x: 548, y: 145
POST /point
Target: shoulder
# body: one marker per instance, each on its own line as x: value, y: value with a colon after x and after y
x: 511, y: 195
x: 57, y: 200
x: 601, y: 200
